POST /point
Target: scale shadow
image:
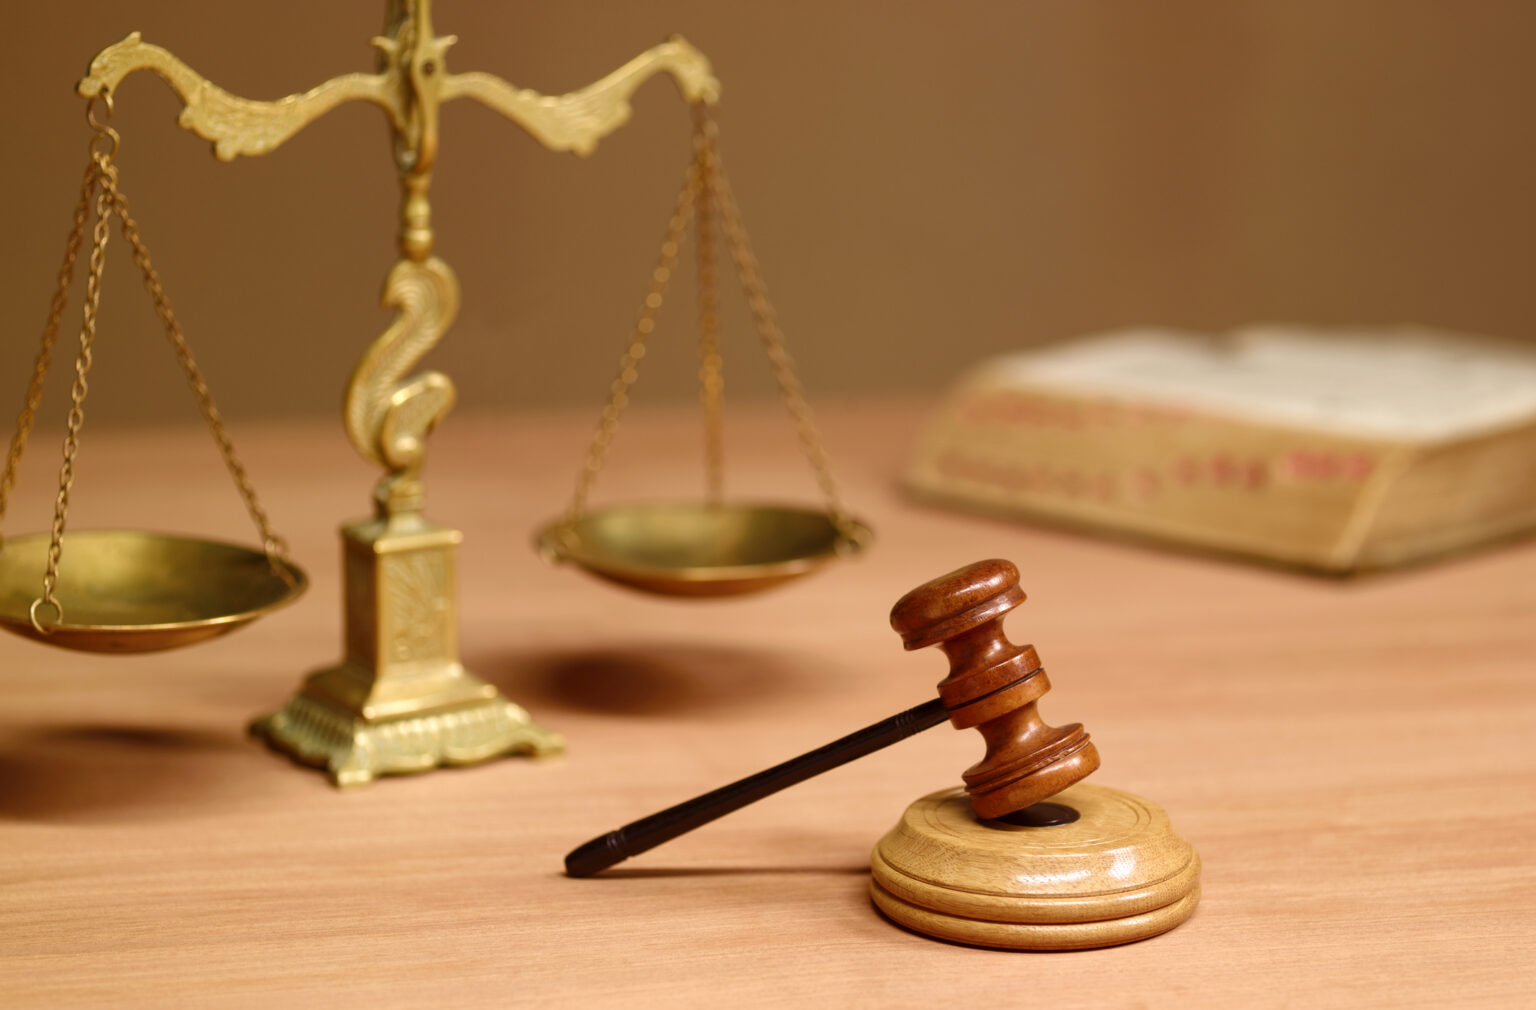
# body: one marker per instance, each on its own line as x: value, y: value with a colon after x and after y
x: 100, y: 773
x: 650, y: 679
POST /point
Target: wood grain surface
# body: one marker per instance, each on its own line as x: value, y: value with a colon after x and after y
x: 1355, y: 761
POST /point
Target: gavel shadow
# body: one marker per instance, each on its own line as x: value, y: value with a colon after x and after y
x: 666, y: 872
x: 97, y: 774
x: 647, y: 679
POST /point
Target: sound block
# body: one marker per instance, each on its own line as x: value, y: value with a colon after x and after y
x: 1116, y: 874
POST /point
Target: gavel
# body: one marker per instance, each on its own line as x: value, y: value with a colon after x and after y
x: 993, y: 685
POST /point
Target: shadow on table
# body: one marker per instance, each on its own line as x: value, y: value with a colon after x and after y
x: 94, y: 774
x: 636, y: 873
x: 650, y: 679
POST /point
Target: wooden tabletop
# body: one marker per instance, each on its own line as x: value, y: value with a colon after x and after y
x: 1354, y: 760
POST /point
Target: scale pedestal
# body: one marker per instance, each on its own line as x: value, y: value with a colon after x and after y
x: 400, y: 701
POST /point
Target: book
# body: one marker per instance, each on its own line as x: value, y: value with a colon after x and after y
x: 1334, y: 450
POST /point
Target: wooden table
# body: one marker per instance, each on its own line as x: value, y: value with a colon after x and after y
x: 1356, y: 761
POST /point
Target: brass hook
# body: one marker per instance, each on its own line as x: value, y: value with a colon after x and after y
x: 102, y: 129
x: 58, y: 612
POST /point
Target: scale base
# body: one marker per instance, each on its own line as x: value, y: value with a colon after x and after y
x: 1118, y: 873
x: 401, y: 701
x: 316, y: 729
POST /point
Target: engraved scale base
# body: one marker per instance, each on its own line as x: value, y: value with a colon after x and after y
x: 401, y: 701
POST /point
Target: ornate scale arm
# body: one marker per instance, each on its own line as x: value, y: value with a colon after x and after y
x: 578, y: 120
x: 235, y: 125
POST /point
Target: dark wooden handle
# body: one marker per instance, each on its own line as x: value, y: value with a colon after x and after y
x: 649, y: 832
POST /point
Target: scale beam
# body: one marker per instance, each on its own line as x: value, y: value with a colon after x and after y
x: 245, y: 127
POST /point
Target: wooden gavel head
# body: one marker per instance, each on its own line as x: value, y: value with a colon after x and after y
x: 994, y: 685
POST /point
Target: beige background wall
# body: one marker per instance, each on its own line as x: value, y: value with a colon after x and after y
x: 927, y: 183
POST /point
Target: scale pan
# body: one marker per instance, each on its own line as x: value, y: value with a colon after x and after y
x: 130, y: 591
x: 699, y: 550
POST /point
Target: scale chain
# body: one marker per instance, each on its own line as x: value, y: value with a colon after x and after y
x: 629, y: 363
x: 109, y: 201
x: 711, y: 364
x: 772, y: 337
x: 707, y: 193
x: 105, y: 172
x: 44, y: 360
x: 275, y: 547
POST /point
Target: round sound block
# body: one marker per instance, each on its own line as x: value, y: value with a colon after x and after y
x: 1118, y: 873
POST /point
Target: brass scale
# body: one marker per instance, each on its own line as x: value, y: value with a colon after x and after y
x: 400, y: 700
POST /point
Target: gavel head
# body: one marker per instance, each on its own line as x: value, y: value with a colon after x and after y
x: 993, y: 685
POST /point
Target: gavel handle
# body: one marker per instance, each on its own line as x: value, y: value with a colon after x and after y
x: 649, y: 832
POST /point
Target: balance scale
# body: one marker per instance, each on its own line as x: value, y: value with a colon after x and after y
x: 400, y: 700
